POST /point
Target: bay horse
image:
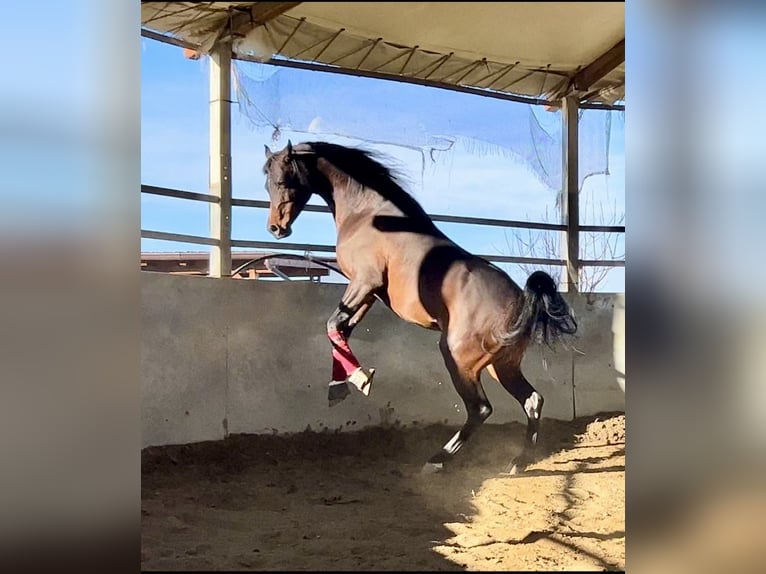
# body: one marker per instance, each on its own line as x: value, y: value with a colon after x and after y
x: 390, y: 250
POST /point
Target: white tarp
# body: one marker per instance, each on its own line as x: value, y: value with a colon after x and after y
x: 526, y: 48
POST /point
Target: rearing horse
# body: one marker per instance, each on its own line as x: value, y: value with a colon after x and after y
x: 390, y: 249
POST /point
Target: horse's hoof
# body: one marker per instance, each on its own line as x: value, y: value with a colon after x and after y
x: 362, y: 380
x: 432, y: 467
x: 518, y: 466
x: 337, y: 392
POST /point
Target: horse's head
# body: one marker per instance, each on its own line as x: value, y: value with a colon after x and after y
x: 288, y: 185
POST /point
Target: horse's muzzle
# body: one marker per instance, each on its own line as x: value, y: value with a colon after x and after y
x: 278, y: 232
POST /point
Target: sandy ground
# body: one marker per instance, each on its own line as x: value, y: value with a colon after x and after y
x: 357, y: 501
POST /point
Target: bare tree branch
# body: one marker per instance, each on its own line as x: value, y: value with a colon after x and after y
x: 593, y: 245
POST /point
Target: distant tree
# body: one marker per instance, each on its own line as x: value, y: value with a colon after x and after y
x: 593, y: 245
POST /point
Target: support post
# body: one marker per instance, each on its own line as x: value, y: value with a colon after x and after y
x: 570, y: 196
x: 220, y: 159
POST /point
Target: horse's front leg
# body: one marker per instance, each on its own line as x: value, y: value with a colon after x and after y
x: 346, y: 368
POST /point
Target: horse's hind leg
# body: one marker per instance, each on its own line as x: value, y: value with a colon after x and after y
x: 464, y: 364
x: 510, y: 376
x: 354, y: 305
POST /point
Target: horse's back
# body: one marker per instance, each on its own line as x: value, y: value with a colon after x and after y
x: 428, y: 279
x: 436, y: 282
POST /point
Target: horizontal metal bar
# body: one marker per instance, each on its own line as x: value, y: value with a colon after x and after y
x: 499, y: 222
x: 331, y: 249
x: 257, y: 203
x: 602, y: 263
x: 164, y: 191
x: 250, y: 203
x: 279, y: 246
x: 393, y: 77
x: 282, y: 245
x: 476, y: 91
x: 314, y: 67
x: 603, y: 107
x: 444, y: 218
x: 603, y: 228
x: 265, y: 205
x: 168, y: 39
x: 304, y: 65
x: 179, y: 237
x: 521, y: 259
x: 542, y: 261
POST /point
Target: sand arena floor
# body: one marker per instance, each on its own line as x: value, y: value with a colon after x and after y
x: 357, y: 501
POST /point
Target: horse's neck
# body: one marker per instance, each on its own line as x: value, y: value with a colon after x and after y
x: 347, y: 202
x: 346, y: 198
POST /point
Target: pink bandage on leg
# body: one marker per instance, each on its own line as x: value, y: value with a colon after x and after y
x: 343, y: 360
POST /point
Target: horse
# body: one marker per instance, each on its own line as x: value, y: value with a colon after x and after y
x: 390, y: 250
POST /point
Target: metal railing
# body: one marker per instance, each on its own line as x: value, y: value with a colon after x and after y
x: 309, y: 247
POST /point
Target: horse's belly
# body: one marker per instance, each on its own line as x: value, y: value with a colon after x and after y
x: 411, y: 310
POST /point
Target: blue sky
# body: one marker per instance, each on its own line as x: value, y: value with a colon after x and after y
x: 460, y: 181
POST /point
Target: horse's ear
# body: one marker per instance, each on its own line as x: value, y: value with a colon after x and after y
x: 289, y: 148
x: 268, y: 151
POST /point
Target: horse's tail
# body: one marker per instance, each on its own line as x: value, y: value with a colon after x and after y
x: 544, y: 312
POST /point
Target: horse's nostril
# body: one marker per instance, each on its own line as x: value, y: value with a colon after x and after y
x: 273, y: 228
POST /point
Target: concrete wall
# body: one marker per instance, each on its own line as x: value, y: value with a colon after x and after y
x: 225, y: 356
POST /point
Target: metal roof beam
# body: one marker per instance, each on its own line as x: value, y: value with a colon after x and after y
x: 600, y: 67
x: 584, y: 79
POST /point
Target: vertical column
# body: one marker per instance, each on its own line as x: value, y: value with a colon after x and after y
x: 570, y: 200
x: 220, y: 159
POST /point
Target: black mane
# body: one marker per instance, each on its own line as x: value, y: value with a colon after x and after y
x: 365, y: 168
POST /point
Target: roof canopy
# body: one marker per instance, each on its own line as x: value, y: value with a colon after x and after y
x: 537, y: 50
